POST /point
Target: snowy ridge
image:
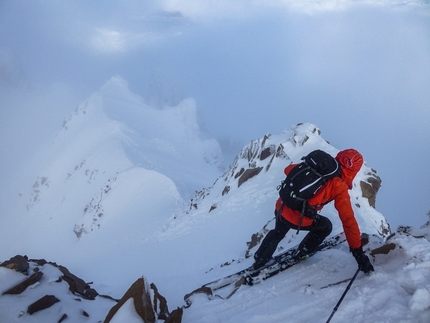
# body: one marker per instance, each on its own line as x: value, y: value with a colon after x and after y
x: 258, y: 170
x: 108, y: 136
x: 114, y: 174
x: 112, y: 203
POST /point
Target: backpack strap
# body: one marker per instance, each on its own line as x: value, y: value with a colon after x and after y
x: 309, y: 212
x: 302, y: 214
x: 279, y: 211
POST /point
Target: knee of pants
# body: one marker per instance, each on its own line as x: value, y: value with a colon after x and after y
x: 324, y: 226
x: 280, y: 233
x: 274, y: 235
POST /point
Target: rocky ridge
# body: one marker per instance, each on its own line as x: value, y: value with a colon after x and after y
x: 257, y: 158
x: 42, y: 285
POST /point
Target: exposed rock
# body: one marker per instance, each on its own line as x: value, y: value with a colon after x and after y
x: 383, y: 250
x: 141, y: 300
x: 370, y: 187
x: 421, y: 233
x: 150, y: 306
x: 213, y: 207
x: 18, y: 289
x: 256, y: 239
x: 201, y: 290
x: 148, y: 302
x: 251, y: 161
x: 18, y: 263
x: 62, y: 318
x: 175, y: 316
x: 226, y: 190
x: 268, y: 151
x: 239, y: 173
x: 76, y: 284
x: 42, y: 303
x: 22, y: 264
x: 160, y: 303
x: 249, y: 173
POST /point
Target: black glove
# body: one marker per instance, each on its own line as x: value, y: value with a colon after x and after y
x: 362, y: 260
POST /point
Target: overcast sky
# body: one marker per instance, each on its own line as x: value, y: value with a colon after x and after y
x: 360, y: 71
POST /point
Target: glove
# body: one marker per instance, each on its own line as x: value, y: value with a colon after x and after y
x: 362, y: 260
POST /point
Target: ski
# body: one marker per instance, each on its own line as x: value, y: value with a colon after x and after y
x: 287, y: 260
x: 252, y: 276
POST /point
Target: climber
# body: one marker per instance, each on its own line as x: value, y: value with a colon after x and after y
x: 319, y: 227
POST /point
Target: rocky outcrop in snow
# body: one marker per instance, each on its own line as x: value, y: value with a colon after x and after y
x: 40, y: 285
x: 148, y: 304
x: 267, y: 157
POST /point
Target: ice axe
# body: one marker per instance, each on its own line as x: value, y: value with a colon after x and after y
x: 343, y: 295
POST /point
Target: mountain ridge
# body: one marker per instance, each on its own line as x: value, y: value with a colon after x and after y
x: 92, y: 202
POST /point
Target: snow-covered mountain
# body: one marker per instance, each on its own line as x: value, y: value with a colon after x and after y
x: 126, y: 190
x: 115, y: 162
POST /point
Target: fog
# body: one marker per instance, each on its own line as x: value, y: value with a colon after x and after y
x: 359, y: 71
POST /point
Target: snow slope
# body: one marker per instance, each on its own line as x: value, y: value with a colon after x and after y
x: 398, y: 290
x: 119, y: 181
x: 111, y: 201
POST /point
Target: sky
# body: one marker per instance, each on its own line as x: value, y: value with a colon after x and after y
x: 360, y: 71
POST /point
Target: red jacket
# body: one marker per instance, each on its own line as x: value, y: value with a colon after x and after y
x: 335, y: 190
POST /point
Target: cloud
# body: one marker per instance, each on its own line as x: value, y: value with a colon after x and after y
x: 209, y: 10
x: 109, y: 40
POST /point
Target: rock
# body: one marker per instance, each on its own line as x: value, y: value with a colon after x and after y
x: 160, y: 304
x: 175, y: 317
x: 18, y: 289
x: 383, y: 250
x: 139, y: 292
x: 150, y: 306
x: 77, y: 285
x: 43, y: 303
x: 370, y: 187
x: 249, y: 173
x: 18, y: 263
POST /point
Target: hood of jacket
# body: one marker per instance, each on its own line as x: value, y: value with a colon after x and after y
x: 351, y: 161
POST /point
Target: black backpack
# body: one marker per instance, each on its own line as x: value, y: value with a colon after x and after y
x: 306, y: 178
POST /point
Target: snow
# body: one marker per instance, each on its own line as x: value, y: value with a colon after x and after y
x: 396, y: 292
x: 111, y: 201
x: 127, y: 313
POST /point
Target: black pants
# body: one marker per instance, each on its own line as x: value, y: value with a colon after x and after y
x: 318, y: 231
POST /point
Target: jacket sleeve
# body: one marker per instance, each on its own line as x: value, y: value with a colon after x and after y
x: 337, y: 190
x: 342, y: 203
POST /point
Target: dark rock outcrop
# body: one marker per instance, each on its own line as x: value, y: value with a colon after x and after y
x: 77, y: 286
x: 42, y: 303
x: 147, y: 300
x: 18, y: 289
x: 150, y: 306
x: 370, y: 187
x: 253, y: 159
x: 18, y: 263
